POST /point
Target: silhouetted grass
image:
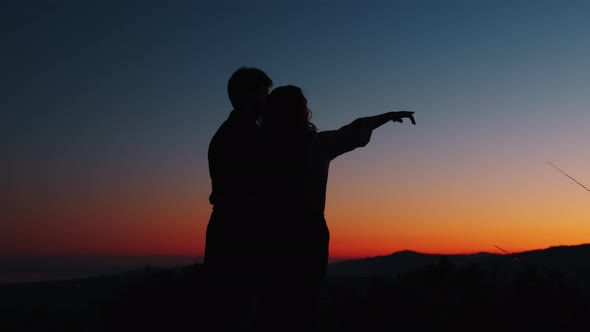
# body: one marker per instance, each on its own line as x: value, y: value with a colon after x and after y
x: 433, y: 297
x: 447, y: 296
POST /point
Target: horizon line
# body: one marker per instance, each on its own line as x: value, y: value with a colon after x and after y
x: 200, y: 257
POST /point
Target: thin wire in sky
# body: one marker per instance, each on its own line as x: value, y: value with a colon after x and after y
x: 576, y: 181
x: 509, y: 253
x: 514, y: 257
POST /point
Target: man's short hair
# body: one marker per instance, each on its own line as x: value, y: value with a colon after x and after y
x: 244, y: 82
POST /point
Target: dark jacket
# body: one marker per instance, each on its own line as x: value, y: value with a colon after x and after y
x: 232, y: 162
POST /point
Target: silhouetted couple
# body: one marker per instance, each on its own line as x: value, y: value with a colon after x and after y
x: 267, y: 240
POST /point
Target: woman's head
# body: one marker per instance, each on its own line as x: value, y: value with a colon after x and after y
x: 286, y: 111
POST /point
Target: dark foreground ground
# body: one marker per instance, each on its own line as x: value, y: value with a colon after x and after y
x: 433, y: 297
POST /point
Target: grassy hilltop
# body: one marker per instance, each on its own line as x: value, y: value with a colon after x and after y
x: 544, y: 290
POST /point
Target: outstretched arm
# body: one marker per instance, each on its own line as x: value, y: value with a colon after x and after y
x: 374, y: 122
x: 357, y: 133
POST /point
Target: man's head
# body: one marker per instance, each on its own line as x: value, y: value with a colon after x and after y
x: 248, y: 89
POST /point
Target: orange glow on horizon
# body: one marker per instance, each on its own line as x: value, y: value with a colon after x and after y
x: 370, y: 215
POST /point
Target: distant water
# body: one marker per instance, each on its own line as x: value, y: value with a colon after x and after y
x: 16, y: 269
x: 37, y: 277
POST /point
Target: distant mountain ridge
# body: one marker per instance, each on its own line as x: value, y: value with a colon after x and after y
x: 571, y: 260
x: 439, y: 292
x: 36, y: 268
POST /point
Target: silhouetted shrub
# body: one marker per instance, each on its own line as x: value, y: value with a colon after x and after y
x: 446, y: 296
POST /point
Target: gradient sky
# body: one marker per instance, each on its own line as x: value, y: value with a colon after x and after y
x: 111, y: 106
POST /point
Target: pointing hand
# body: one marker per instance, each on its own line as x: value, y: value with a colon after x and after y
x: 398, y: 116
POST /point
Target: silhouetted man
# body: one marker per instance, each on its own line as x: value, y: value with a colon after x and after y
x: 232, y: 167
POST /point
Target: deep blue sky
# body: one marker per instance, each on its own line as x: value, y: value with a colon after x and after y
x: 113, y: 99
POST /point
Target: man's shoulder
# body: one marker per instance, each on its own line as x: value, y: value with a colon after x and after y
x: 233, y: 132
x: 230, y: 128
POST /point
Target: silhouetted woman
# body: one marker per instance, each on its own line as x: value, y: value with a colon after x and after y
x: 294, y: 237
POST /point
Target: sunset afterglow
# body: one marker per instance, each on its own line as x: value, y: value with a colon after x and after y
x: 113, y: 110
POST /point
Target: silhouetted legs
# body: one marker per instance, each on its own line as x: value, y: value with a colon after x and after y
x: 230, y: 305
x: 291, y: 273
x: 288, y: 307
x: 228, y: 266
